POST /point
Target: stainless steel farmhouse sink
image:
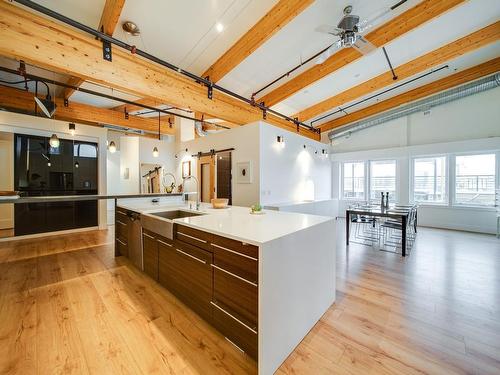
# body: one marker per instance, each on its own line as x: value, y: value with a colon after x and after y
x: 164, y: 228
x: 177, y: 214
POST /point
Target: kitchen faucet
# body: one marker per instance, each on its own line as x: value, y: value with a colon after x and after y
x: 197, y: 191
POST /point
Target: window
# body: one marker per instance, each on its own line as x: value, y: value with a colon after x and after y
x: 383, y: 179
x: 475, y: 180
x: 429, y: 180
x: 85, y: 150
x: 354, y: 180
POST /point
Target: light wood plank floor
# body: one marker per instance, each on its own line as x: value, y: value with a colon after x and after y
x: 67, y: 306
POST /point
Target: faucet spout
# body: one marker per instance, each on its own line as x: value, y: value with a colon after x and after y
x: 197, y: 191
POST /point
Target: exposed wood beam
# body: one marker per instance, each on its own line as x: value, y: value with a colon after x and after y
x: 459, y: 47
x: 274, y: 20
x: 62, y: 49
x: 109, y: 19
x: 22, y: 100
x: 132, y: 108
x: 457, y: 79
x: 407, y: 21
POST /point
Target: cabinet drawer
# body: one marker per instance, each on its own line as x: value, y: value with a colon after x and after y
x: 121, y: 227
x: 240, y: 264
x: 236, y: 246
x: 235, y: 330
x: 237, y: 296
x: 150, y: 255
x: 121, y: 247
x: 193, y: 236
x: 186, y: 272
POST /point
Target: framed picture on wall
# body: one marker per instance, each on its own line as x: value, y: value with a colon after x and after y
x: 186, y: 168
x: 244, y: 172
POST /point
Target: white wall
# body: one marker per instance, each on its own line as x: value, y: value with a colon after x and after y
x: 24, y: 124
x: 467, y: 125
x: 245, y: 141
x: 292, y: 173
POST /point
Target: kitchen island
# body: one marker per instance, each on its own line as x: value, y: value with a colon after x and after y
x: 263, y: 281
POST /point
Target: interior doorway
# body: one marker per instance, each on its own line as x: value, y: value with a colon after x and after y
x: 224, y: 176
x: 206, y: 173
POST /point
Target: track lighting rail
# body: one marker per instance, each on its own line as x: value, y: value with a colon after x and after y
x: 134, y: 50
x: 31, y: 77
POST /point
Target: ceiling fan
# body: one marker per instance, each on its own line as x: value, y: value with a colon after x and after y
x: 350, y: 32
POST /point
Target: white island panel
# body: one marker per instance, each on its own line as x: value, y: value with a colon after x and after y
x: 296, y: 287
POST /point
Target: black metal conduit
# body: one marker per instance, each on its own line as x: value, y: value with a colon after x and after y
x: 342, y: 109
x: 31, y: 77
x: 133, y: 49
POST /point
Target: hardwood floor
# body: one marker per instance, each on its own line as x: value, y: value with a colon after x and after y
x: 67, y: 306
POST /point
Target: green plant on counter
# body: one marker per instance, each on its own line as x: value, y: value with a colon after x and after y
x: 256, y: 208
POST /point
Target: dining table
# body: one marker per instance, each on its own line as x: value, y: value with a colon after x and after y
x: 397, y: 212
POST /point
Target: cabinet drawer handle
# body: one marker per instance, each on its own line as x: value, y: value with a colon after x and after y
x: 233, y: 275
x: 192, y: 257
x: 234, y: 252
x: 148, y: 235
x: 164, y: 243
x: 235, y: 318
x: 120, y: 241
x: 120, y: 222
x: 193, y: 238
x: 121, y: 212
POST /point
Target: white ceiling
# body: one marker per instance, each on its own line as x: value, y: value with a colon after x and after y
x: 432, y: 35
x: 184, y: 33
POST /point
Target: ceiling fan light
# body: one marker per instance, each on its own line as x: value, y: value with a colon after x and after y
x: 54, y: 141
x: 156, y: 153
x: 112, y: 147
x: 47, y: 106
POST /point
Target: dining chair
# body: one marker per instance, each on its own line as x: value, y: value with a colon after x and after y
x: 392, y: 231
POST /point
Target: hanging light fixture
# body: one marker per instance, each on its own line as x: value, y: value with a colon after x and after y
x: 72, y: 128
x: 156, y: 153
x: 54, y: 141
x: 77, y: 164
x: 112, y: 147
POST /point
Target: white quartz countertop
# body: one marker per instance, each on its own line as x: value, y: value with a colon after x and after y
x: 236, y: 222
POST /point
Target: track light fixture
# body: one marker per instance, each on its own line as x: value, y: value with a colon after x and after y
x: 72, y: 128
x: 54, y: 141
x: 112, y: 147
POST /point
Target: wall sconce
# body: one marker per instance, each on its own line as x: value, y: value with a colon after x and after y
x: 72, y: 128
x: 156, y: 153
x: 280, y: 140
x: 325, y: 154
x: 112, y: 147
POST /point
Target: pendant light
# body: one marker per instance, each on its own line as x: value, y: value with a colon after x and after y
x: 156, y: 153
x: 77, y: 164
x: 72, y: 128
x: 54, y: 141
x: 112, y: 147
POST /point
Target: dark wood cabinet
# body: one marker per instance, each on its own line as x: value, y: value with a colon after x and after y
x: 186, y: 271
x: 122, y: 222
x: 150, y: 254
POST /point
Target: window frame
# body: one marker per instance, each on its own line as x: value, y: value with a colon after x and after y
x: 453, y: 172
x: 397, y: 185
x: 342, y: 195
x: 447, y: 177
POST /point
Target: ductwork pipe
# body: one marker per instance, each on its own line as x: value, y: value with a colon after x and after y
x: 426, y: 104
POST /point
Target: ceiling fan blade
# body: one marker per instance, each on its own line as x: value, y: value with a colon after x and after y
x: 328, y: 29
x: 364, y: 46
x: 374, y: 20
x: 325, y: 55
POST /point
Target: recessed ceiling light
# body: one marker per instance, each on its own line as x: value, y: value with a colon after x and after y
x: 219, y: 27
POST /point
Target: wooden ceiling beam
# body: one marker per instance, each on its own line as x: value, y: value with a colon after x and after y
x: 22, y: 100
x: 459, y: 47
x: 457, y: 79
x: 274, y: 20
x: 53, y: 46
x: 421, y: 13
x: 109, y: 19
